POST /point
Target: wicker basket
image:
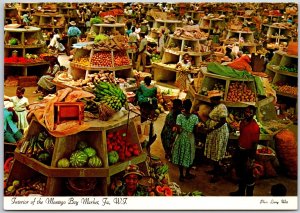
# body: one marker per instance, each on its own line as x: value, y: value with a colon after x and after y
x: 265, y: 156
x: 81, y: 186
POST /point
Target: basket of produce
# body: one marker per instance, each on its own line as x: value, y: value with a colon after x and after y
x: 105, y: 112
x: 81, y: 186
x: 130, y: 97
x: 264, y: 153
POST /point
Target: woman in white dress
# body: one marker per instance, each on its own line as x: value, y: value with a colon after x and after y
x: 54, y: 42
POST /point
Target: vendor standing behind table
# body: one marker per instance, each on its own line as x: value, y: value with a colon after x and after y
x: 45, y: 84
x: 184, y: 77
x: 142, y: 53
x: 217, y: 133
x: 161, y: 41
x: 73, y: 34
x: 245, y: 153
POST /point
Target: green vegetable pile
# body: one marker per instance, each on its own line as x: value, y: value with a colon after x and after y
x: 96, y: 20
x: 155, y: 58
x: 101, y: 37
x: 289, y: 69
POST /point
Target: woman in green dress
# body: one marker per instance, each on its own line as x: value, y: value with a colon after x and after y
x: 167, y: 134
x: 146, y: 97
x: 183, y: 152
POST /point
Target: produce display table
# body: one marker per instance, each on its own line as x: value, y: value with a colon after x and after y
x: 28, y: 41
x: 105, y: 29
x: 283, y: 70
x: 169, y: 24
x: 175, y: 48
x: 96, y: 136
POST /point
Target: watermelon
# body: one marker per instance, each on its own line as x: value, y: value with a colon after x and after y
x: 95, y: 162
x: 44, y: 157
x: 113, y: 157
x: 13, y: 41
x: 81, y: 145
x: 78, y: 159
x: 63, y: 163
x: 90, y: 151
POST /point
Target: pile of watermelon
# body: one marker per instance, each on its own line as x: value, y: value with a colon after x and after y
x: 118, y: 148
x: 83, y: 156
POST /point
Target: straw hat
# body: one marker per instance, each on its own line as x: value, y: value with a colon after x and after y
x: 144, y: 22
x: 73, y: 23
x: 214, y: 93
x: 133, y: 169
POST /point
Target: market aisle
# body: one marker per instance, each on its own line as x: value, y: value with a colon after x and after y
x: 224, y: 186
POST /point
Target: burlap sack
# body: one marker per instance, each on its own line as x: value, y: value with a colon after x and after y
x: 292, y: 48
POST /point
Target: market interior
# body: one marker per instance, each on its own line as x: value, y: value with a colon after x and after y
x: 203, y: 33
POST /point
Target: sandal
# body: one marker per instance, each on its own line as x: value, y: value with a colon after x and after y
x: 36, y: 92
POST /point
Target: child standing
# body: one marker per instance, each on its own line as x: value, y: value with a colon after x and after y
x: 183, y: 153
x: 167, y: 134
x: 20, y: 106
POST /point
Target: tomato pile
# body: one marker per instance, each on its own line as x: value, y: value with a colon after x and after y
x: 22, y: 60
x: 116, y: 141
x: 121, y: 59
x: 102, y: 59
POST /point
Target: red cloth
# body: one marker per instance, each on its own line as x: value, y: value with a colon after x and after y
x: 249, y: 134
x: 242, y: 63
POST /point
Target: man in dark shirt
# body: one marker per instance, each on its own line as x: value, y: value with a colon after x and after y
x: 249, y: 137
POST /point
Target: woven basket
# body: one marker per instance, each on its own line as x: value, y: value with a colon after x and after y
x: 81, y: 186
x: 265, y: 156
x: 105, y: 112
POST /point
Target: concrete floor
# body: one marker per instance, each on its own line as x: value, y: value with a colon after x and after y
x: 201, y: 182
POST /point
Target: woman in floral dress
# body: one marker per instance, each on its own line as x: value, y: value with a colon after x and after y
x: 167, y: 134
x: 217, y: 133
x: 183, y: 152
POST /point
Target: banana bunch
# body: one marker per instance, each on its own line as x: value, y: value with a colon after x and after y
x: 110, y: 95
x: 162, y: 170
x: 34, y: 147
x: 89, y: 105
x: 49, y: 144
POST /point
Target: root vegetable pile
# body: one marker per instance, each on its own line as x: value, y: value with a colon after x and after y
x: 26, y: 187
x: 288, y: 89
x: 239, y: 92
